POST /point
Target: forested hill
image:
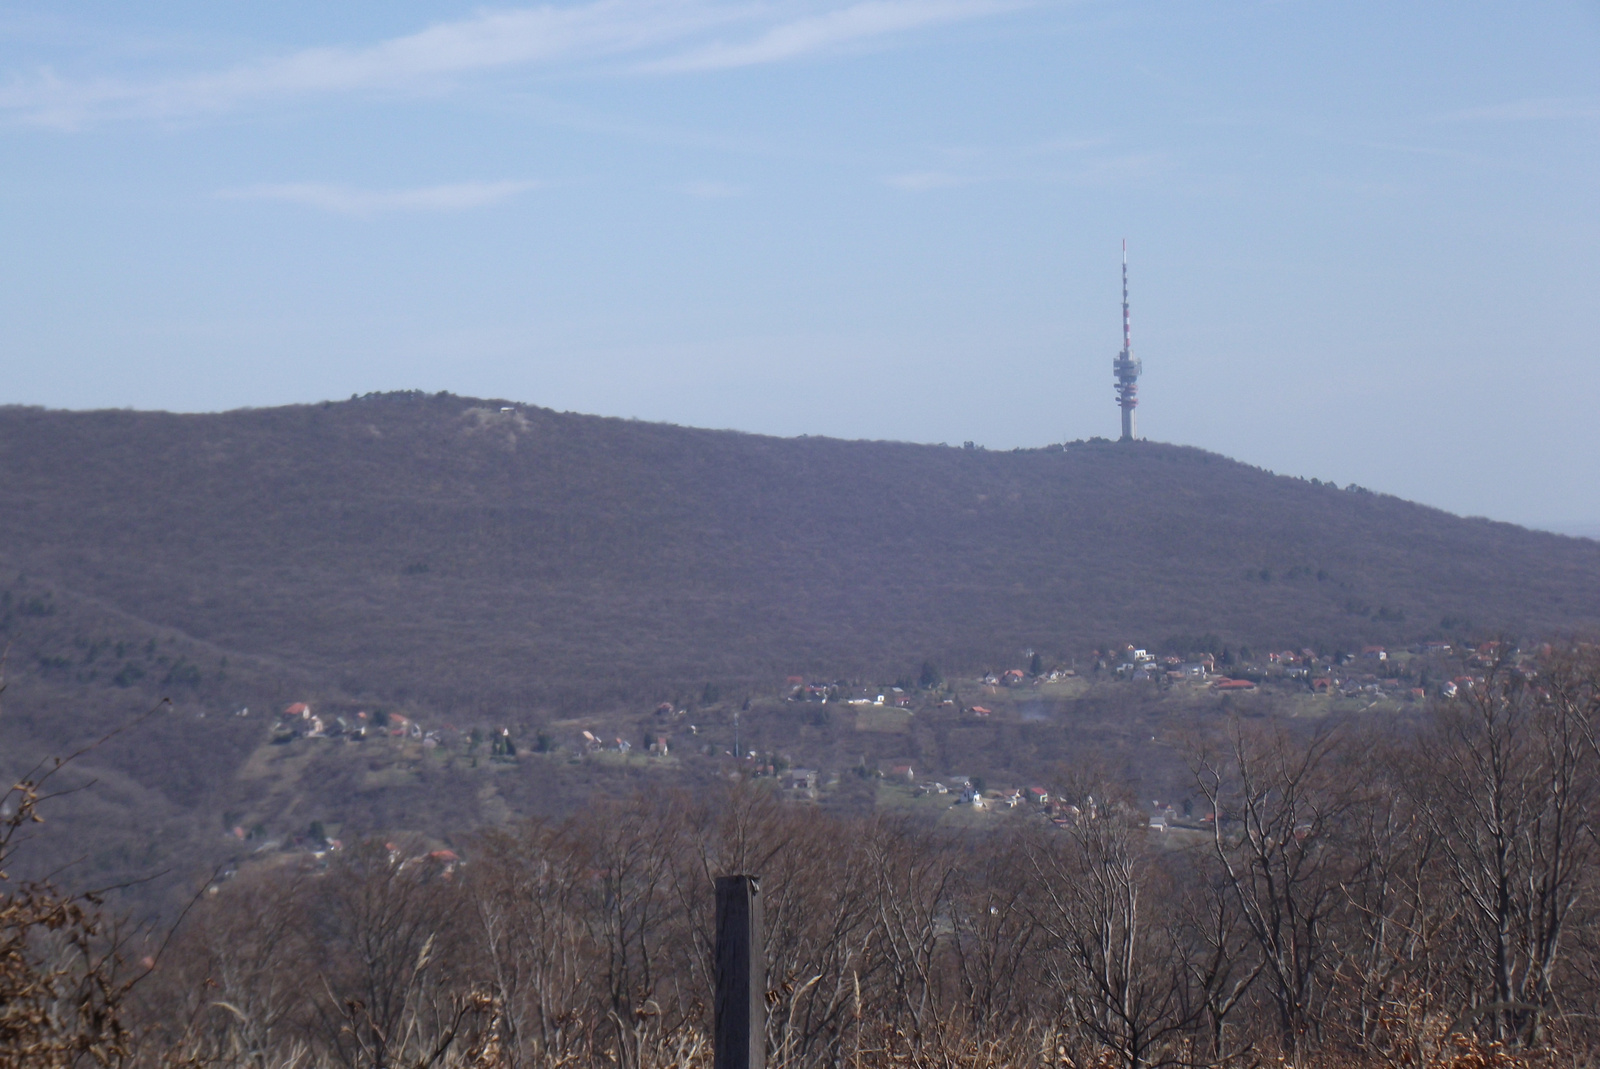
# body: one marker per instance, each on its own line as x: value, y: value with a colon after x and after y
x: 472, y: 554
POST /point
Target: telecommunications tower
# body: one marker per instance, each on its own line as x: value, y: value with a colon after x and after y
x: 1127, y: 366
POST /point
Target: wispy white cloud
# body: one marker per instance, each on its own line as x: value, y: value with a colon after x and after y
x: 919, y: 181
x: 860, y: 22
x: 1117, y: 169
x: 419, y: 61
x: 348, y: 200
x: 1059, y: 145
x: 1531, y: 110
x: 1055, y: 160
x: 1016, y: 166
x: 636, y: 35
x: 712, y: 190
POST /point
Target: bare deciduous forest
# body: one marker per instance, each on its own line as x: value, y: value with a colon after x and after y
x: 477, y: 565
x: 1424, y: 896
x: 463, y: 556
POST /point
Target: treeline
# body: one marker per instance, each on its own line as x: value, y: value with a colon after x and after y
x: 1423, y: 896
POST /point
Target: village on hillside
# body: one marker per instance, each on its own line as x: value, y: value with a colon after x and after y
x: 706, y: 729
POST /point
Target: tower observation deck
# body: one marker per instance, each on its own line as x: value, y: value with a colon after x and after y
x: 1126, y: 366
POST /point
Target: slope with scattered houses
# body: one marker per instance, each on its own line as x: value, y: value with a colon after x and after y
x: 822, y: 742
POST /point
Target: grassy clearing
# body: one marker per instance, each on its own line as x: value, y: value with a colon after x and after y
x: 884, y: 721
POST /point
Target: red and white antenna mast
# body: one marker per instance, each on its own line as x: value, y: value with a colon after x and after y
x: 1126, y: 366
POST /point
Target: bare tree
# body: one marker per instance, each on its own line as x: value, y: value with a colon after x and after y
x: 818, y: 902
x: 1278, y: 806
x: 1512, y: 801
x: 527, y: 891
x: 237, y: 979
x: 1119, y: 975
x: 634, y: 922
x: 1219, y: 952
x: 66, y: 980
x: 995, y: 934
x: 913, y: 882
x: 386, y: 953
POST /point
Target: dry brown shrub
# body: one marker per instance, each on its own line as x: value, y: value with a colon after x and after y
x: 63, y: 981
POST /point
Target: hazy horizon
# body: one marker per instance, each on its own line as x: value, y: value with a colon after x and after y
x: 1364, y: 241
x: 1574, y: 529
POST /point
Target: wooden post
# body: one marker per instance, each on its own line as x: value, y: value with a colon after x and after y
x: 740, y: 1018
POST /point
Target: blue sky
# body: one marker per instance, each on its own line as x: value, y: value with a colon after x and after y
x: 1365, y: 238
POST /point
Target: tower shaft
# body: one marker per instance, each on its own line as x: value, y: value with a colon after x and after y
x: 1126, y: 366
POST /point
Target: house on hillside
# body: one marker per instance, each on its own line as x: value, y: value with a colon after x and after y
x: 1486, y: 655
x: 1038, y: 796
x: 800, y: 779
x: 905, y: 772
x: 1234, y: 684
x: 799, y: 783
